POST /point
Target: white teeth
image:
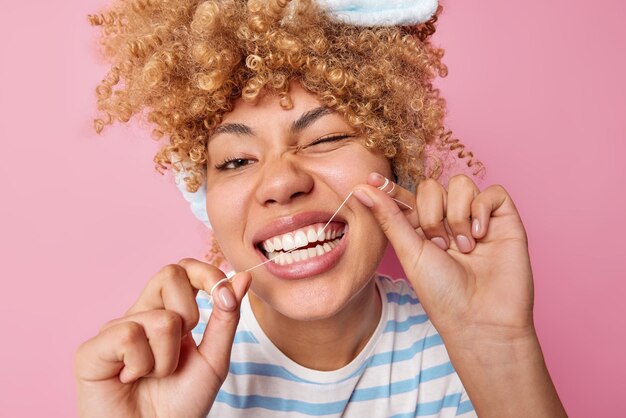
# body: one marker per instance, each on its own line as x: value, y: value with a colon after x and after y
x: 288, y: 242
x: 284, y: 258
x: 301, y: 239
x: 311, y: 235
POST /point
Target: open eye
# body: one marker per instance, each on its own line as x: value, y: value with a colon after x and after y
x: 233, y: 163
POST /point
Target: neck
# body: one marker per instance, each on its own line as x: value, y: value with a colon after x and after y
x: 323, y: 344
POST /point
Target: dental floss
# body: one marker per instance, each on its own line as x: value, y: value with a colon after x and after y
x: 226, y: 279
x: 215, y: 286
x: 337, y: 211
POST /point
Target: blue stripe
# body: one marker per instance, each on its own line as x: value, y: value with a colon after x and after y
x: 433, y: 407
x: 401, y: 326
x: 241, y: 337
x: 406, y: 354
x: 245, y: 337
x: 465, y: 406
x: 204, y: 303
x: 199, y: 329
x: 271, y: 370
x: 430, y: 408
x: 403, y: 386
x: 264, y: 369
x: 401, y: 299
x: 280, y: 404
x: 319, y: 409
x: 358, y: 395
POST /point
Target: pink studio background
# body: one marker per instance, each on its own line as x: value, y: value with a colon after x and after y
x: 535, y: 89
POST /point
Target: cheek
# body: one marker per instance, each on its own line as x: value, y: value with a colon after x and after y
x: 225, y: 209
x: 352, y: 167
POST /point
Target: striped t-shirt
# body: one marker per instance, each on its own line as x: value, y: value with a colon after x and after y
x: 403, y: 371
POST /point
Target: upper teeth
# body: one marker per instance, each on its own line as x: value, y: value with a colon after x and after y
x: 300, y: 238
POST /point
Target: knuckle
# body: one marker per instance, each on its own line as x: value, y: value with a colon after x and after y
x: 427, y: 184
x: 130, y: 333
x: 109, y: 324
x: 185, y: 260
x: 460, y: 180
x: 391, y: 217
x: 498, y: 188
x: 172, y: 275
x: 173, y: 272
x: 430, y: 224
x: 167, y: 322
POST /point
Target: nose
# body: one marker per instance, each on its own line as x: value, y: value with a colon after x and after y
x: 283, y: 180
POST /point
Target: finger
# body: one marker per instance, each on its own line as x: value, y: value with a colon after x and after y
x: 494, y: 201
x: 118, y: 348
x: 163, y: 332
x: 406, y: 242
x: 218, y: 336
x: 404, y: 198
x: 431, y: 209
x: 174, y: 288
x: 214, y: 282
x: 461, y: 194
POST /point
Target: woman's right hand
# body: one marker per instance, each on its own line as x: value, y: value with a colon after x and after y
x: 147, y: 364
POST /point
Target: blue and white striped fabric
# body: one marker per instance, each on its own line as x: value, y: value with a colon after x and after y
x: 404, y: 371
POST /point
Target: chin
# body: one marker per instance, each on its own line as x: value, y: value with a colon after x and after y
x: 311, y: 299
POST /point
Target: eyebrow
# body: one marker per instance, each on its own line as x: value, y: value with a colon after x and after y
x: 308, y: 118
x: 233, y: 128
x: 304, y: 121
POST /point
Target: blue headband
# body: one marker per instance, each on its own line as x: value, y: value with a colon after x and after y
x: 381, y: 12
x: 354, y: 12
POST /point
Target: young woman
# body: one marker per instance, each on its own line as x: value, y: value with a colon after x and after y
x: 301, y: 128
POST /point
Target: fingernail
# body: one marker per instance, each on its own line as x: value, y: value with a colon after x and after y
x: 463, y: 243
x: 363, y: 198
x: 227, y: 299
x: 377, y: 178
x: 476, y: 226
x: 440, y: 242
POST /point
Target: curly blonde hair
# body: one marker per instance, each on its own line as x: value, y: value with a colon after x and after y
x: 181, y: 64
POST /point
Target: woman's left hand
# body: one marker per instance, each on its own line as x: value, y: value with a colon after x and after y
x: 464, y: 251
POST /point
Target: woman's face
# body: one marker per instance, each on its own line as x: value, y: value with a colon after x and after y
x: 274, y: 179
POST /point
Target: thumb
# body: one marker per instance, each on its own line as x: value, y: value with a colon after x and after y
x: 408, y: 245
x: 220, y: 331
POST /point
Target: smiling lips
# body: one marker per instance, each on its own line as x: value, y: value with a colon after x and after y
x: 303, y: 244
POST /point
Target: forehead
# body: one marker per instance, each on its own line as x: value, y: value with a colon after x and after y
x: 268, y: 107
